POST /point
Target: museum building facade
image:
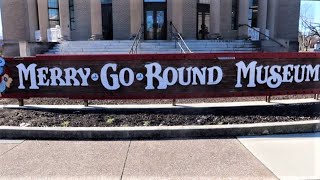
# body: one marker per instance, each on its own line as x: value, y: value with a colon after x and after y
x: 29, y: 20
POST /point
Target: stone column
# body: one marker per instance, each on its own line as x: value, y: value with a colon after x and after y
x: 243, y: 18
x: 43, y: 18
x: 262, y: 16
x: 271, y: 22
x: 215, y: 16
x: 136, y: 15
x: 32, y: 22
x: 64, y: 19
x: 96, y: 19
x: 176, y: 13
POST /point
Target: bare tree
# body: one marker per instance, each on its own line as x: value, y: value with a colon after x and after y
x: 309, y: 30
x: 313, y: 29
x: 305, y: 41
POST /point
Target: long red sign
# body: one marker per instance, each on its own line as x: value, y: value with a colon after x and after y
x: 160, y: 76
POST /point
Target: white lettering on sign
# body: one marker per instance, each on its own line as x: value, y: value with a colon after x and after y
x: 25, y: 74
x: 117, y: 80
x: 275, y: 75
x: 44, y: 76
x: 158, y: 77
x: 154, y: 75
x: 195, y: 76
x: 162, y: 77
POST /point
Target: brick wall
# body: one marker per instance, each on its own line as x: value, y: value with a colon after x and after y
x: 225, y: 20
x: 288, y: 19
x: 82, y: 20
x: 189, y: 24
x: 121, y: 19
x: 13, y: 21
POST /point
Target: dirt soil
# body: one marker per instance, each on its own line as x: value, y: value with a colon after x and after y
x: 173, y: 117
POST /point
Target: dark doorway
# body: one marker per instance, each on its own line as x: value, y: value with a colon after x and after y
x: 203, y: 19
x: 107, y: 24
x: 155, y: 20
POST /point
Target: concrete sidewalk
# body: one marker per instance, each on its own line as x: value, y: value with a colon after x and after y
x: 264, y: 157
x: 167, y: 159
x: 294, y: 156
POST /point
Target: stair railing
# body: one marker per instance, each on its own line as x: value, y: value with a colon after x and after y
x: 240, y: 25
x: 178, y: 39
x: 136, y: 41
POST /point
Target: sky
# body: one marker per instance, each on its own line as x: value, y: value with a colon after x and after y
x: 311, y: 10
x: 312, y: 7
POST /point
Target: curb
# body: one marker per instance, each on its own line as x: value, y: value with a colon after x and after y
x: 177, y: 132
x: 138, y: 107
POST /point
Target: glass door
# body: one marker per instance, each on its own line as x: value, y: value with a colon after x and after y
x: 155, y: 21
x: 203, y: 27
x: 107, y: 21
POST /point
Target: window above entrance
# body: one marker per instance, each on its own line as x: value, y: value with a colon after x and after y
x: 53, y: 11
x: 106, y: 1
x: 155, y: 0
x: 234, y: 15
x: 204, y: 1
x: 253, y: 13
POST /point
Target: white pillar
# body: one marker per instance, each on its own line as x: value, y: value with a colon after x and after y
x: 262, y: 16
x: 271, y: 22
x: 96, y: 19
x: 243, y: 18
x: 215, y: 16
x: 64, y: 19
x: 24, y: 49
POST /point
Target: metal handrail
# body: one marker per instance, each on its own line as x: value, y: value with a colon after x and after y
x: 136, y: 41
x: 262, y: 34
x: 178, y: 39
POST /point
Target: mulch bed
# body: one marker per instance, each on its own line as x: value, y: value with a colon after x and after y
x: 174, y: 117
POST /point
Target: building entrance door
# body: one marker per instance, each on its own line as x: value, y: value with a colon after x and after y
x: 203, y: 26
x: 155, y: 20
x: 107, y: 24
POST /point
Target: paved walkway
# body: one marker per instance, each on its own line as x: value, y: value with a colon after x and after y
x: 294, y: 156
x: 285, y: 156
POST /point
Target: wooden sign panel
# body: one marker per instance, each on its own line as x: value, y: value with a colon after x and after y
x: 160, y: 76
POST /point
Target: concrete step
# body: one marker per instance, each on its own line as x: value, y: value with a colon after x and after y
x: 156, y: 48
x: 194, y: 40
x: 98, y: 42
x: 92, y: 50
x: 223, y: 49
x: 149, y: 48
x: 76, y: 53
x: 221, y: 45
x: 153, y: 46
x: 94, y: 46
